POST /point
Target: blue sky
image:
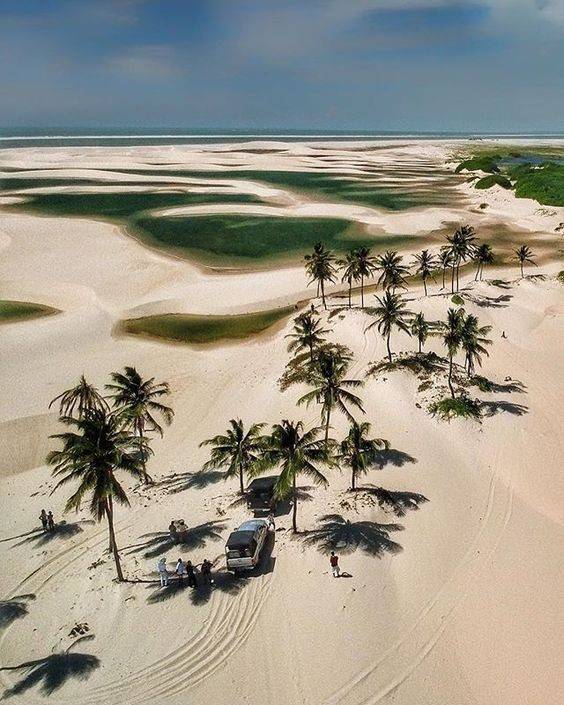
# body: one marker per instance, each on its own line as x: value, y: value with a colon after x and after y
x: 478, y: 65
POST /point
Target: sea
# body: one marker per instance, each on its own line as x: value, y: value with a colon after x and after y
x: 83, y: 137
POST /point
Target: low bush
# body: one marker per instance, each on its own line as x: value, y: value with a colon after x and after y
x: 460, y: 407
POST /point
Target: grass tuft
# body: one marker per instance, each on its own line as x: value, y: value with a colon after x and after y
x: 459, y: 407
x: 493, y: 180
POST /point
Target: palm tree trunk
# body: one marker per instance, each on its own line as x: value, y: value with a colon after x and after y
x: 350, y: 292
x: 327, y: 426
x: 110, y: 517
x: 425, y: 285
x: 323, y: 294
x: 295, y: 507
x: 388, y: 346
x: 522, y: 273
x: 420, y: 345
x: 147, y: 479
x: 458, y: 275
x: 477, y: 272
x: 111, y: 507
x: 241, y: 481
x: 353, y: 479
x: 444, y: 273
x: 452, y: 278
x: 361, y: 291
x: 311, y: 353
x: 450, y: 377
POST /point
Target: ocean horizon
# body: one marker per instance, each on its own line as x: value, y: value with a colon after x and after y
x: 76, y: 137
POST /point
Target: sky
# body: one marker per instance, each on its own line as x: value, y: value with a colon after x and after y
x: 428, y: 65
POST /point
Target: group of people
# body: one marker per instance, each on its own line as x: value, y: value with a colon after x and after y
x: 185, y: 569
x: 47, y: 520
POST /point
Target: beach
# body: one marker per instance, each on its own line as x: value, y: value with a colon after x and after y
x: 457, y: 599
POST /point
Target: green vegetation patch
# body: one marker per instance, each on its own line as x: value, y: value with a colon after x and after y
x: 460, y: 407
x: 12, y: 311
x: 560, y: 276
x: 193, y: 329
x: 543, y: 183
x: 493, y: 180
x: 479, y: 163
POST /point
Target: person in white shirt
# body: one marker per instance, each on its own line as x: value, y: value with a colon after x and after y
x: 163, y: 572
x: 181, y: 569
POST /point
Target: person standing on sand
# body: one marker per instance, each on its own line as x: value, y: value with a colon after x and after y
x: 43, y: 519
x: 191, y: 573
x: 180, y: 569
x: 162, y: 571
x: 206, y: 572
x: 50, y: 521
x: 334, y: 561
x: 172, y: 530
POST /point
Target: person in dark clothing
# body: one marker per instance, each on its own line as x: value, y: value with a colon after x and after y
x: 191, y: 573
x: 206, y: 572
x: 43, y: 520
x: 334, y: 561
x: 50, y: 521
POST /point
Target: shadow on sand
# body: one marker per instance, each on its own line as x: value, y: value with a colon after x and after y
x: 398, y: 501
x: 336, y: 533
x: 394, y: 457
x: 491, y: 408
x: 13, y: 609
x: 190, y: 481
x: 159, y: 542
x: 51, y: 672
x: 63, y: 530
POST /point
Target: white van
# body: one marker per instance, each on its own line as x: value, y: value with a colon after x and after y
x: 244, y: 546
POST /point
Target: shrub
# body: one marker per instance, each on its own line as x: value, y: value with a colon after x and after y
x: 459, y: 407
x: 493, y: 180
x: 478, y: 164
x: 483, y: 383
x: 560, y: 276
x: 458, y: 300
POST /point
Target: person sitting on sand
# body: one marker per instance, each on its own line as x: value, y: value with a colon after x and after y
x: 334, y: 561
x: 191, y: 573
x: 172, y: 530
x: 50, y: 521
x: 206, y: 572
x: 162, y: 571
x: 43, y: 519
x: 271, y: 522
x: 180, y: 569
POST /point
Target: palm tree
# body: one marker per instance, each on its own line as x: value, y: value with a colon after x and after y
x: 331, y: 389
x: 522, y: 255
x: 236, y: 451
x: 420, y: 329
x: 390, y: 313
x: 366, y: 266
x: 392, y: 271
x: 473, y: 342
x: 84, y: 397
x: 451, y: 332
x: 461, y: 246
x: 296, y: 453
x: 321, y: 269
x: 425, y: 266
x: 307, y: 334
x: 91, y: 455
x: 136, y: 399
x: 350, y: 266
x: 358, y: 452
x: 445, y: 261
x: 483, y: 255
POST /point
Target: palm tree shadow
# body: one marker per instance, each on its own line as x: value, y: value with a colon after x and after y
x: 392, y: 456
x: 13, y: 609
x: 491, y: 301
x: 159, y: 542
x: 51, y: 672
x: 162, y: 594
x: 491, y: 408
x: 398, y: 501
x: 336, y: 533
x: 500, y: 283
x: 190, y: 480
x: 64, y: 530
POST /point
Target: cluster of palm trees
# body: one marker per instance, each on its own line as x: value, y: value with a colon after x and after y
x: 360, y: 264
x: 109, y: 433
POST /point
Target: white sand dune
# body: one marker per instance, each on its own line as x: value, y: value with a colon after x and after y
x: 461, y: 600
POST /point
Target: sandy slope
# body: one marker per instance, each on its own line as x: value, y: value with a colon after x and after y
x: 463, y: 604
